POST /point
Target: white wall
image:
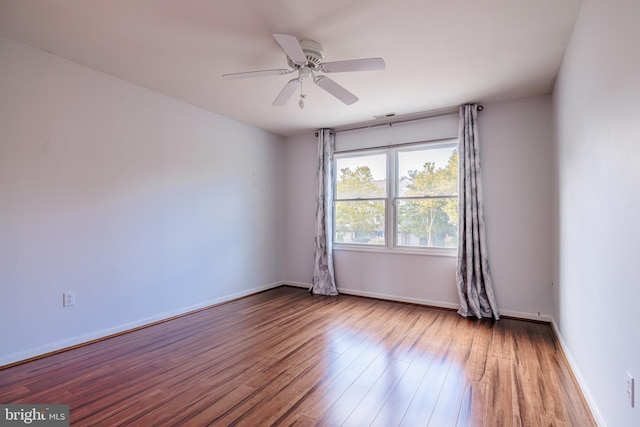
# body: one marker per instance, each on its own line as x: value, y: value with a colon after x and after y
x: 143, y: 205
x: 516, y: 152
x: 597, y: 113
x: 301, y: 186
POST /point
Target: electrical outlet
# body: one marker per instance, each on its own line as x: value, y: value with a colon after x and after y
x: 68, y: 299
x: 630, y: 389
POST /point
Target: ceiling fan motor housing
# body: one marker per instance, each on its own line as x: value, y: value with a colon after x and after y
x: 313, y: 52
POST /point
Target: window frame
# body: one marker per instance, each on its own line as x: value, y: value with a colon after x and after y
x: 392, y: 199
x: 385, y: 199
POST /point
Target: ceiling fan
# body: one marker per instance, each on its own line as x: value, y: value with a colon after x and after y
x: 305, y: 57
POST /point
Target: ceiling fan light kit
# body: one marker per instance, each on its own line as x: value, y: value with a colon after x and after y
x: 306, y: 57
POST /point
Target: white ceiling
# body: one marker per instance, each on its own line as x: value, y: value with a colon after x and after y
x: 439, y: 53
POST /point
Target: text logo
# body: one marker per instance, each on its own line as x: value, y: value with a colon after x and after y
x: 40, y: 415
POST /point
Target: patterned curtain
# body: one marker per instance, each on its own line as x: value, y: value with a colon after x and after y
x: 475, y: 287
x: 324, y: 282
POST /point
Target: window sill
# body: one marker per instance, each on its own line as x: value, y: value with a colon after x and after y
x: 446, y: 252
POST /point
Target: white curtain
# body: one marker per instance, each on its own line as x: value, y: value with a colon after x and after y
x: 324, y: 282
x: 475, y: 287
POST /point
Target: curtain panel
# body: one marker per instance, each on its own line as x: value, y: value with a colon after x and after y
x: 324, y: 282
x: 473, y: 277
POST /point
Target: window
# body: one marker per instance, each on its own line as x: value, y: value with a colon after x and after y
x: 361, y: 199
x: 417, y: 208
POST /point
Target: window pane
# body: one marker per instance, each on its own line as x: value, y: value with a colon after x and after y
x: 428, y: 172
x: 360, y: 222
x: 432, y: 222
x: 361, y: 176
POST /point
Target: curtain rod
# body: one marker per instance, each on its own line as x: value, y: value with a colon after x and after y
x: 400, y: 119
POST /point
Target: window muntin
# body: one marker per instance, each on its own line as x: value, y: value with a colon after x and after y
x: 417, y: 206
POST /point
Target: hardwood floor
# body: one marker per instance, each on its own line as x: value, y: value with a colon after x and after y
x: 285, y: 357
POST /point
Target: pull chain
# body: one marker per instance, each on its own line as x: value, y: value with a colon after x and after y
x: 302, y: 97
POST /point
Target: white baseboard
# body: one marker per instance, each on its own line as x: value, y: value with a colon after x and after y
x: 387, y: 297
x: 103, y: 333
x: 526, y: 316
x: 579, y: 378
x: 297, y: 284
x: 421, y: 301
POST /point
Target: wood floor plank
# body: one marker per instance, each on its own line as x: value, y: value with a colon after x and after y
x: 285, y: 357
x: 401, y: 395
x: 381, y: 391
x: 424, y: 401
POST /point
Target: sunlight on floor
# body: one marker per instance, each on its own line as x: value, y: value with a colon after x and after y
x: 386, y: 386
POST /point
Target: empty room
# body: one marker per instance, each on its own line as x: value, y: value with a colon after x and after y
x: 341, y: 212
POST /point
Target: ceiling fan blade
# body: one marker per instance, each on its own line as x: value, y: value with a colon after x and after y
x: 286, y: 92
x: 335, y: 89
x: 261, y: 73
x: 292, y: 48
x: 367, y: 64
